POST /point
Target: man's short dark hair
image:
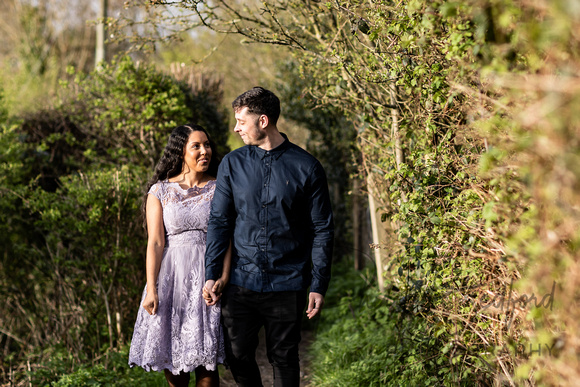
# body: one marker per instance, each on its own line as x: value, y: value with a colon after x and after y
x: 259, y: 101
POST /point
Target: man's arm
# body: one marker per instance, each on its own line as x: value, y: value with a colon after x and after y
x: 323, y: 240
x: 221, y: 224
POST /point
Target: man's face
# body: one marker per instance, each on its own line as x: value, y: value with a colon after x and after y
x: 248, y: 126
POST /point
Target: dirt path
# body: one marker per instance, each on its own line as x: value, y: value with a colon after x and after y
x: 227, y: 380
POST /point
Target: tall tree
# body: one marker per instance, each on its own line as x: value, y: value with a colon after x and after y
x: 100, y: 55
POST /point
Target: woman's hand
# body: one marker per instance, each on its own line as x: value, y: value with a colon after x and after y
x: 151, y: 302
x: 207, y: 293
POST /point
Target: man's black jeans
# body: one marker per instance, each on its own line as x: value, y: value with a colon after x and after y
x: 244, y: 312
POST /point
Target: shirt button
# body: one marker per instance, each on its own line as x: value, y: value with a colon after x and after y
x: 263, y: 206
x: 265, y: 185
x: 263, y: 228
x: 263, y: 249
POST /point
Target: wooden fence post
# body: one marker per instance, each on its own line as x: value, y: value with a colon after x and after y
x: 379, y: 235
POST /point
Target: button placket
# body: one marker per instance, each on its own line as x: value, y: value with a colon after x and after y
x: 263, y: 240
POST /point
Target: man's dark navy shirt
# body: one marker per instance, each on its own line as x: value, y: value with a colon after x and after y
x: 275, y: 208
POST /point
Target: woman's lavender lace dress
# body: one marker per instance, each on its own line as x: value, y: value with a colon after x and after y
x: 185, y: 333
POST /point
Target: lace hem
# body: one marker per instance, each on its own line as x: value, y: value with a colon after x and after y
x: 210, y: 366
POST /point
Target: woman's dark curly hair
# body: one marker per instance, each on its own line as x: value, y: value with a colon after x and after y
x: 171, y: 162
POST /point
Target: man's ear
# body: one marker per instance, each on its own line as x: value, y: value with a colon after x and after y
x: 264, y: 121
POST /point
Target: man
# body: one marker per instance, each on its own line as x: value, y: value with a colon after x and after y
x: 271, y: 201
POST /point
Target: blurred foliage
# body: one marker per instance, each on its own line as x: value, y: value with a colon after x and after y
x: 241, y: 66
x: 38, y: 40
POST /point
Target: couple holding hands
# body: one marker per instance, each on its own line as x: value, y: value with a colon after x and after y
x: 232, y: 249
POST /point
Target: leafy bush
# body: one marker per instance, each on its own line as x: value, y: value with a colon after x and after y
x: 364, y: 341
x: 73, y: 267
x: 89, y: 274
x: 126, y: 111
x: 109, y: 370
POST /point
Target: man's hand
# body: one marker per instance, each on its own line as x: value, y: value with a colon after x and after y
x: 219, y: 287
x: 315, y: 302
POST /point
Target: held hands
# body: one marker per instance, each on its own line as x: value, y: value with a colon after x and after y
x: 315, y: 302
x: 151, y: 302
x: 212, y: 291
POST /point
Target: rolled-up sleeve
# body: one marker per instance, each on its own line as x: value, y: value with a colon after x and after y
x: 221, y: 223
x: 323, y: 227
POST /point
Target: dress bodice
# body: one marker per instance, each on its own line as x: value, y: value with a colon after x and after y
x: 185, y: 211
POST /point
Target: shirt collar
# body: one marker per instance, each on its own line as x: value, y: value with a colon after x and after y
x: 276, y: 152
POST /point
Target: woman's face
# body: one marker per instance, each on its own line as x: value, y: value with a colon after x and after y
x: 197, y: 152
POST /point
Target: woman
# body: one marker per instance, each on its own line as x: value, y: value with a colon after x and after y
x: 175, y: 330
